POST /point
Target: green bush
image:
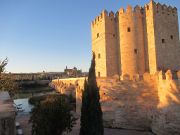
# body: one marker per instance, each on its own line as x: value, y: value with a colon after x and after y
x: 52, y: 116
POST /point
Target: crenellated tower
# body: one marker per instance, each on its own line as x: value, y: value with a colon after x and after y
x: 104, y: 44
x: 136, y: 40
x: 163, y: 37
x: 131, y: 41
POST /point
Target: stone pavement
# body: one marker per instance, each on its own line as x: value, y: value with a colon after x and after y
x: 108, y: 131
x: 26, y: 127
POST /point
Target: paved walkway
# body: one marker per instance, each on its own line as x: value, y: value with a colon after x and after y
x: 108, y: 131
x: 26, y: 127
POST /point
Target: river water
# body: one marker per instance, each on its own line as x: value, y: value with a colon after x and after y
x: 23, y: 105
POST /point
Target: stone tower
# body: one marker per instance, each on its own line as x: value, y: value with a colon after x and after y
x: 163, y: 37
x: 104, y: 40
x: 136, y: 40
x: 131, y: 41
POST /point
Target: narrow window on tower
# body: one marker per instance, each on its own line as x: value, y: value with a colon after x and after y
x: 99, y: 55
x: 99, y: 74
x: 163, y: 40
x: 135, y: 51
x: 97, y: 35
x: 113, y: 35
x: 147, y: 7
x: 172, y: 37
x: 129, y: 29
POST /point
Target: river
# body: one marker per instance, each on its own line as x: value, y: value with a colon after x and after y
x: 23, y: 105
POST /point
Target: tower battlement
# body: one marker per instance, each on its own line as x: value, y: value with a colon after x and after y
x: 104, y: 14
x: 130, y: 9
x: 161, y: 8
x: 136, y: 40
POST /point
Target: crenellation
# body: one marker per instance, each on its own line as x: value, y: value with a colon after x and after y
x: 136, y: 40
x: 117, y: 14
x: 164, y: 7
x: 137, y: 9
x: 158, y: 6
x: 99, y: 18
x: 170, y: 8
x: 160, y: 75
x: 174, y: 10
x: 105, y: 13
x: 129, y: 9
x: 169, y: 75
x: 121, y: 11
x: 146, y: 7
x: 111, y: 14
x: 178, y: 75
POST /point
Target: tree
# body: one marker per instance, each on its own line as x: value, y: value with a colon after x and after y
x: 52, y: 116
x: 3, y: 65
x: 6, y: 81
x: 91, y: 113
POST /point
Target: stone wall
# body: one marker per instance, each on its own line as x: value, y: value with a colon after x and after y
x: 111, y: 44
x: 99, y: 43
x: 149, y: 104
x: 7, y: 115
x: 166, y: 32
x: 135, y: 40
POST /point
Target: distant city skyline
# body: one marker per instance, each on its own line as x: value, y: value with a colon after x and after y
x: 48, y: 35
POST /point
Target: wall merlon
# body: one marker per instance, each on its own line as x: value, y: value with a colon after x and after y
x: 174, y: 10
x: 169, y: 75
x: 111, y: 14
x: 121, y: 11
x: 178, y: 75
x: 169, y: 9
x: 137, y: 9
x: 160, y: 75
x: 158, y: 6
x: 103, y: 14
x: 117, y: 14
x: 129, y: 9
x: 164, y: 8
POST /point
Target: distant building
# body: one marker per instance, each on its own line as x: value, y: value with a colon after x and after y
x: 35, y: 76
x: 74, y: 72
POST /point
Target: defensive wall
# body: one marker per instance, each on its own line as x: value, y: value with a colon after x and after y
x: 148, y: 103
x: 136, y: 40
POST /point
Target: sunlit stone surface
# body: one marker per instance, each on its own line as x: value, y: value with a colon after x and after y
x: 152, y: 103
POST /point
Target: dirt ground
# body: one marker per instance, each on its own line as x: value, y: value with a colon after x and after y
x: 26, y: 127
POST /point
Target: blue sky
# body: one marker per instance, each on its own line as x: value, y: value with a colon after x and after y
x: 39, y: 35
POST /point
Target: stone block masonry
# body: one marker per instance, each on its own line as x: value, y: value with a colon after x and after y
x: 136, y: 40
x: 151, y: 103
